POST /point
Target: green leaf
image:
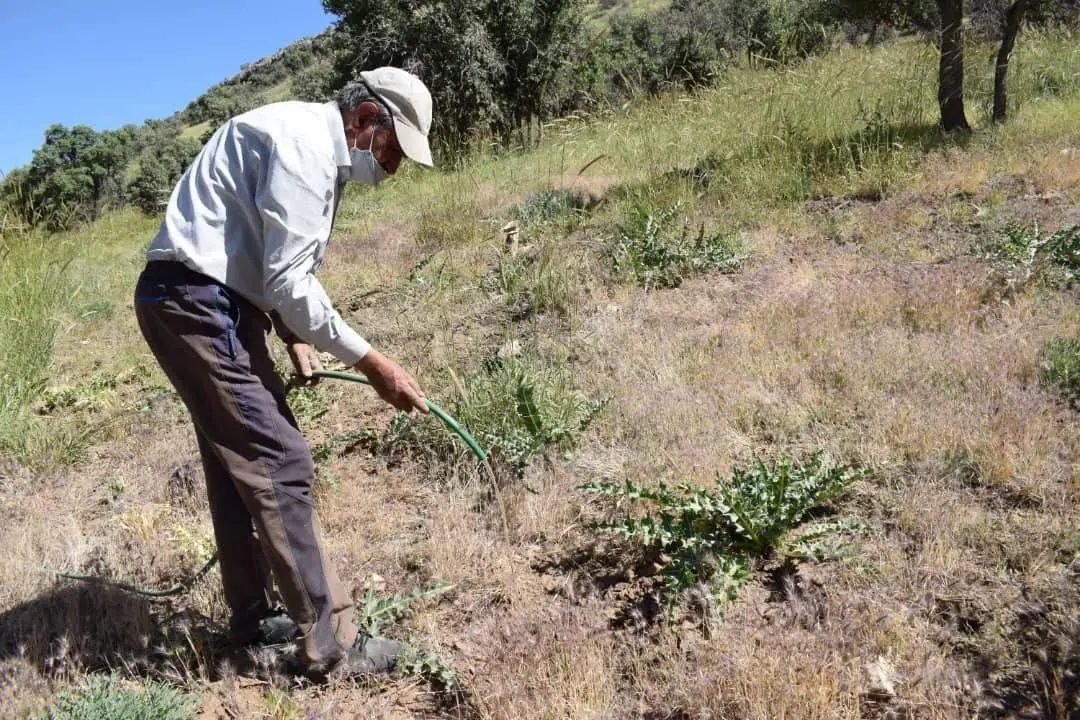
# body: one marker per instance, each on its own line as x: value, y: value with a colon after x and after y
x: 528, y: 410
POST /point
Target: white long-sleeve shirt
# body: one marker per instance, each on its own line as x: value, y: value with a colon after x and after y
x: 254, y: 212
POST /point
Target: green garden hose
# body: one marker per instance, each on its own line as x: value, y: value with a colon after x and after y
x: 180, y: 587
x: 186, y: 585
x: 435, y: 409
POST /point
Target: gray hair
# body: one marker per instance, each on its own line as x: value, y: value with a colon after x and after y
x: 356, y: 92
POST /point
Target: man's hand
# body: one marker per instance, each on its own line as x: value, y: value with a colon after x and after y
x: 393, y: 384
x: 305, y: 360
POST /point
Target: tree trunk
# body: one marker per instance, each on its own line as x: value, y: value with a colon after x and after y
x: 1010, y: 29
x: 951, y: 69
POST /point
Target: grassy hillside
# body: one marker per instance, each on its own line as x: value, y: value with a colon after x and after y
x: 849, y: 282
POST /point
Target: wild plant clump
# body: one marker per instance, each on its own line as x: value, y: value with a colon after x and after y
x: 645, y: 251
x: 713, y: 538
x: 513, y: 408
x: 546, y: 206
x: 1025, y: 254
x: 108, y: 698
x: 376, y: 612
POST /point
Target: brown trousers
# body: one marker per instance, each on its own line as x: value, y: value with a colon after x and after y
x: 211, y: 343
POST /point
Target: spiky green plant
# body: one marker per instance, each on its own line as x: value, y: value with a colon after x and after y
x: 376, y: 612
x: 1024, y: 254
x: 514, y: 408
x: 714, y: 537
x: 646, y: 251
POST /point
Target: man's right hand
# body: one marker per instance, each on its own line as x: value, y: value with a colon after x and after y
x: 393, y: 384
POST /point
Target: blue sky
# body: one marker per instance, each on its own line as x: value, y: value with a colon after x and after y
x: 111, y: 62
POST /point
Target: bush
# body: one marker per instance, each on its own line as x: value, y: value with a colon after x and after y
x: 514, y: 409
x: 713, y: 538
x: 788, y: 30
x: 1024, y: 254
x: 645, y: 251
x: 314, y: 83
x: 688, y: 45
x: 547, y: 206
x: 75, y: 175
x: 159, y: 170
x: 109, y: 698
x: 677, y: 49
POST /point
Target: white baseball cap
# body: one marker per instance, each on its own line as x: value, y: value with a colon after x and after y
x: 409, y: 102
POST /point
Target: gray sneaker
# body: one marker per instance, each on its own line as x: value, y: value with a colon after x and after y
x: 274, y: 630
x: 369, y: 655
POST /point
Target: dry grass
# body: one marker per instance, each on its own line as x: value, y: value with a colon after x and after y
x: 864, y: 328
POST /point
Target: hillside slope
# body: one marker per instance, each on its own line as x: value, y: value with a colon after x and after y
x: 795, y: 262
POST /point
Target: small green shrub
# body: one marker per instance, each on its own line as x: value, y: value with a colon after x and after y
x: 714, y: 537
x: 109, y: 698
x: 1024, y: 255
x: 512, y: 408
x: 377, y: 612
x: 647, y: 252
x: 420, y: 662
x: 546, y: 206
x: 1061, y: 369
x: 95, y: 394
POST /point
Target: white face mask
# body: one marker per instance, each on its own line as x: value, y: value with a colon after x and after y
x: 366, y: 170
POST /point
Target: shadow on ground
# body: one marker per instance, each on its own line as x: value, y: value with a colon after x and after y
x: 1043, y: 680
x: 73, y: 629
x: 87, y: 628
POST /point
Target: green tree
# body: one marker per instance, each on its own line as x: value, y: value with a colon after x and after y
x: 490, y: 65
x: 1003, y: 20
x: 159, y: 169
x: 949, y: 21
x: 537, y: 41
x: 75, y: 174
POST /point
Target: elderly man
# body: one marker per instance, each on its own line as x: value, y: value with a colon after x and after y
x: 245, y: 230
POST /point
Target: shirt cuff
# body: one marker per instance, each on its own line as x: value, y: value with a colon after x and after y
x: 349, y: 347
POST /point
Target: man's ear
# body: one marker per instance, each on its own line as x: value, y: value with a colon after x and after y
x: 366, y: 113
x: 358, y: 119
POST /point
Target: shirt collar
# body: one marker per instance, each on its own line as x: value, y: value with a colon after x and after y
x: 337, y: 134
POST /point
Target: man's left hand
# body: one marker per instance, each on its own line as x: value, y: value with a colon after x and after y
x: 305, y: 360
